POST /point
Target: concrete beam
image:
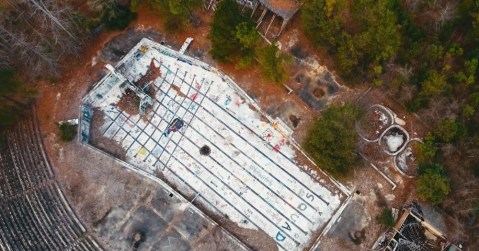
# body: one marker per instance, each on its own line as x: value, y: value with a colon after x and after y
x: 254, y: 8
x: 260, y: 20
x: 285, y: 22
x: 270, y: 23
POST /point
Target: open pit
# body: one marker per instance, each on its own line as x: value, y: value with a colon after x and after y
x: 394, y: 139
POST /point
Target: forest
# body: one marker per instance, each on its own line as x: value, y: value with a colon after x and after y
x: 425, y: 55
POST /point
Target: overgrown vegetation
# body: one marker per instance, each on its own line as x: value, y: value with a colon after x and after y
x: 426, y: 55
x: 235, y: 39
x: 360, y: 45
x: 386, y: 217
x: 331, y: 139
x: 67, y: 132
x: 233, y: 34
x: 272, y: 62
x: 118, y: 17
x: 433, y: 183
x: 176, y: 14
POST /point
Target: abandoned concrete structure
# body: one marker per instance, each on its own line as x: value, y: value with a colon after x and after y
x: 278, y: 12
x: 413, y: 231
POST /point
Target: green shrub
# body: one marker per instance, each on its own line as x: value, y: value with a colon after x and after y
x: 67, y: 132
x: 226, y: 46
x: 386, y: 217
x: 272, y: 63
x: 8, y: 116
x: 433, y: 183
x: 9, y: 92
x: 450, y: 130
x: 331, y: 139
x: 427, y: 150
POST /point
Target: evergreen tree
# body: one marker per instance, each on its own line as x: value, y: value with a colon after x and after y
x: 331, y: 139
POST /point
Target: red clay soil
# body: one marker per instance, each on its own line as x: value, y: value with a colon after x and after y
x: 370, y: 125
x: 151, y: 74
x: 373, y: 151
x: 178, y: 90
x: 129, y: 102
x: 60, y: 99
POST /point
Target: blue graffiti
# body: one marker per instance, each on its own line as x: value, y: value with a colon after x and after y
x: 280, y: 236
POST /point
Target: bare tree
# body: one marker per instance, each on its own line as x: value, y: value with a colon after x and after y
x: 434, y: 110
x: 34, y: 57
x: 54, y: 14
x: 102, y: 5
x: 408, y: 91
x: 445, y: 15
x: 36, y: 34
x: 413, y: 5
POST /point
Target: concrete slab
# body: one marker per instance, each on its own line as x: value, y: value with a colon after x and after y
x: 250, y: 176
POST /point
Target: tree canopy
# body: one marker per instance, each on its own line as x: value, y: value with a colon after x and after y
x: 233, y: 35
x: 433, y: 183
x: 175, y: 13
x: 331, y: 139
x: 272, y: 63
x: 67, y: 132
x: 360, y: 45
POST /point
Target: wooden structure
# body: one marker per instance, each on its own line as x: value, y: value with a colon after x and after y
x: 278, y: 13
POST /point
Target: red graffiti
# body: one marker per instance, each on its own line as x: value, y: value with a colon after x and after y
x: 276, y: 148
x: 193, y: 96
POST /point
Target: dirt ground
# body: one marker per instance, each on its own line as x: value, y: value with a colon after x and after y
x: 130, y: 102
x: 94, y: 185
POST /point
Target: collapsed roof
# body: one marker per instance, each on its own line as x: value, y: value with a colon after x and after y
x: 284, y: 8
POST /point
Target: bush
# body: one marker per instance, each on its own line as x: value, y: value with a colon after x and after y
x: 427, y: 150
x: 272, y: 62
x: 433, y: 184
x: 8, y: 83
x: 386, y: 217
x: 450, y: 130
x: 67, y: 132
x: 331, y: 139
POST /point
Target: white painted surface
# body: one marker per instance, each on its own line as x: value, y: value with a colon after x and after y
x: 185, y: 45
